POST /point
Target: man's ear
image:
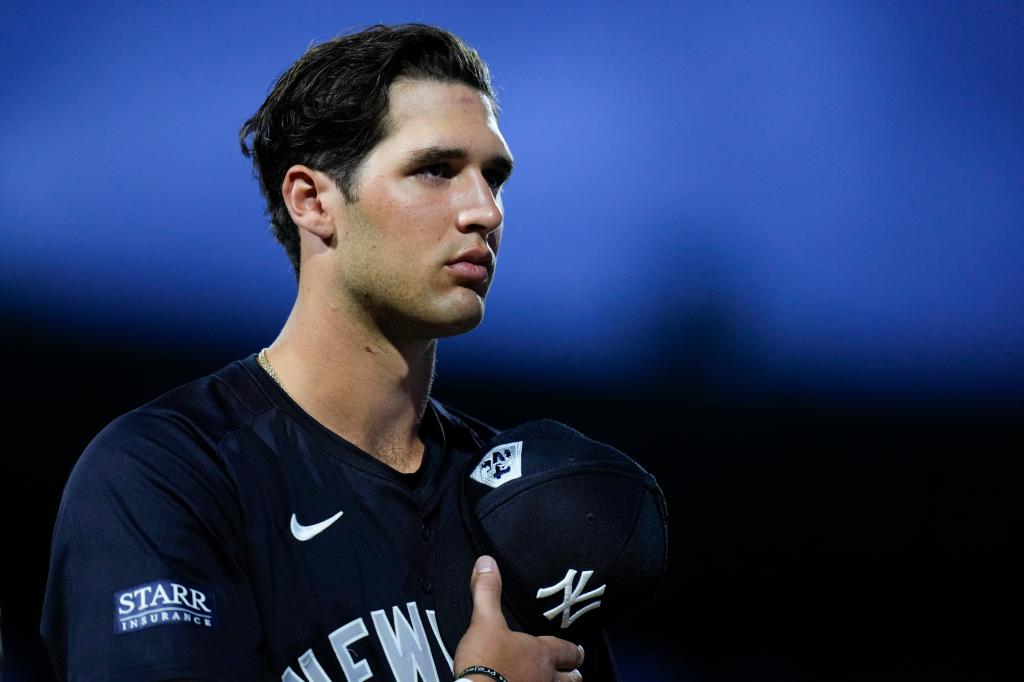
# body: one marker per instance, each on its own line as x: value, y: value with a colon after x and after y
x: 304, y: 191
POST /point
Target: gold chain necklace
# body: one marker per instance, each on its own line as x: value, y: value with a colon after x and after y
x: 265, y: 364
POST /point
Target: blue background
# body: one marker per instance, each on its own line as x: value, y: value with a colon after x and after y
x: 773, y: 250
x: 832, y: 190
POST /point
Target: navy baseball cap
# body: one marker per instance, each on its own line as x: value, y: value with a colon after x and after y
x: 579, y: 530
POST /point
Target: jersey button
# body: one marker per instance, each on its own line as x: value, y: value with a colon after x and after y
x: 426, y: 584
x: 425, y: 532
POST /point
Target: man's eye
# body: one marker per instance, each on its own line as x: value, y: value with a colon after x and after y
x: 436, y: 170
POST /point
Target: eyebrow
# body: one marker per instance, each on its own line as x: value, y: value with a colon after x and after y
x: 429, y: 155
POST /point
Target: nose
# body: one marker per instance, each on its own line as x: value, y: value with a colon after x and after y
x: 481, y: 210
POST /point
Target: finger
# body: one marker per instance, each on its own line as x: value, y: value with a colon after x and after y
x: 566, y: 655
x: 485, y: 586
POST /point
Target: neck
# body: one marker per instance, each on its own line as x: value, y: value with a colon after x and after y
x: 367, y: 388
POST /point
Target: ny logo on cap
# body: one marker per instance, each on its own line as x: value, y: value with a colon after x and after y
x: 571, y: 596
x: 500, y: 465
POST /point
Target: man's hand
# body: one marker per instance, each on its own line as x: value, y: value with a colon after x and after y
x: 517, y: 656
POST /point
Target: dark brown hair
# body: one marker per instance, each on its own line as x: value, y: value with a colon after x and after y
x: 330, y: 108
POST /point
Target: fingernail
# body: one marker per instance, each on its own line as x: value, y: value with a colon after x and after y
x: 484, y: 564
x: 580, y: 647
x: 576, y: 676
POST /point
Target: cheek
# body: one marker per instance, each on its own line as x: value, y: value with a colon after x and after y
x: 404, y: 228
x: 415, y: 215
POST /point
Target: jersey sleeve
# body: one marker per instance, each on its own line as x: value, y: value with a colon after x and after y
x: 147, y: 577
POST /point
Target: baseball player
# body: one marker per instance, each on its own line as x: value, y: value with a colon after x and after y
x: 294, y: 516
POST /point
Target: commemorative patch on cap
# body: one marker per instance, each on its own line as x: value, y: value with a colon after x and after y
x: 500, y: 465
x: 162, y: 602
x: 580, y: 533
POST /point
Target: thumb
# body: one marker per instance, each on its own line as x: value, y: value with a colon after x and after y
x: 485, y: 585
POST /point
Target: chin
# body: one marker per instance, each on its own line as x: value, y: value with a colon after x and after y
x: 462, y: 324
x: 461, y: 318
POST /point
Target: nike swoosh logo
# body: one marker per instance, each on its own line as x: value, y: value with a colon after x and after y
x: 303, y: 533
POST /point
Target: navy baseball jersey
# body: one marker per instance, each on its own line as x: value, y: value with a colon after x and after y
x: 220, y: 532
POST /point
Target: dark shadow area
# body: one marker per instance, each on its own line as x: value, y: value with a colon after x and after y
x: 808, y: 541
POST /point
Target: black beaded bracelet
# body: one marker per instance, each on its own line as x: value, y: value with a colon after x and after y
x: 493, y: 674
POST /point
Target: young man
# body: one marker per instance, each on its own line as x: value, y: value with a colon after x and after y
x: 294, y: 515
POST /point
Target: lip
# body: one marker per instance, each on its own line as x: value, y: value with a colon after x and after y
x: 475, y: 264
x: 477, y: 256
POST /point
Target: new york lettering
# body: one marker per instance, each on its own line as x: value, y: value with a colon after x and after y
x: 404, y: 642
